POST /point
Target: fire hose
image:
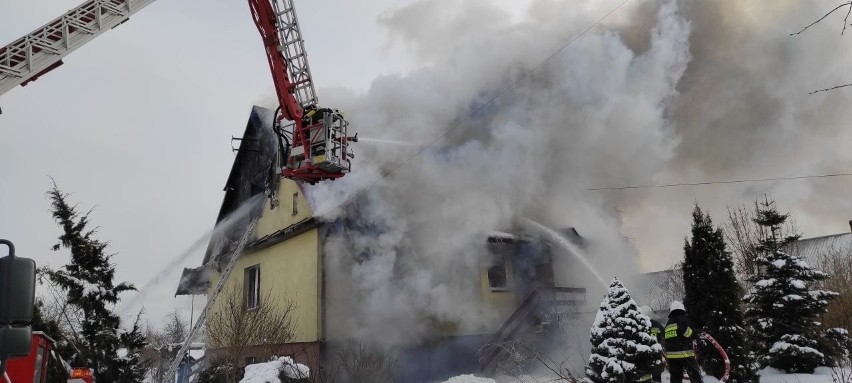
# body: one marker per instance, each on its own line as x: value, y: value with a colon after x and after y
x: 722, y: 354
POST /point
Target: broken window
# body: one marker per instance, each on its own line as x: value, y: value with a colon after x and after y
x: 498, y: 277
x: 252, y: 287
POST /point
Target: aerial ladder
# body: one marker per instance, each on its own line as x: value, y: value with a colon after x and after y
x: 313, y: 140
x: 31, y: 56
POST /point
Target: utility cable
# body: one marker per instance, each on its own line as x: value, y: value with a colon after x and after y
x: 526, y: 75
x: 746, y: 180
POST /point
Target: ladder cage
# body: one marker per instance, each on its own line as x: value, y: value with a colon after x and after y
x: 325, y: 145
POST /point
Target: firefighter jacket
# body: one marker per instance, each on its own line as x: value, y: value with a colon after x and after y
x: 657, y: 331
x: 678, y: 336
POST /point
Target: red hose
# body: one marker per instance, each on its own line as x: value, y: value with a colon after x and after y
x: 722, y: 354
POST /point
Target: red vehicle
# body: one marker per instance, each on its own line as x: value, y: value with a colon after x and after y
x: 33, y: 367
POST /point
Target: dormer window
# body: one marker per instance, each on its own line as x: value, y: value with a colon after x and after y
x: 498, y: 276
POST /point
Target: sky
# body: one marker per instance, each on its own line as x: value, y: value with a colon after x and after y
x: 137, y: 124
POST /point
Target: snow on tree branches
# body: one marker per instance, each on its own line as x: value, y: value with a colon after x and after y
x: 711, y: 299
x: 782, y: 309
x: 623, y: 350
x: 89, y: 283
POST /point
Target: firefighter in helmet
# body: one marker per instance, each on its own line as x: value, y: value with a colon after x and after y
x: 678, y: 337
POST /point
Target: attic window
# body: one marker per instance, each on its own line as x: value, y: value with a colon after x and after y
x: 498, y: 277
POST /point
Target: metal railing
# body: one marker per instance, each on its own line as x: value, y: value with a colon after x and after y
x: 30, y: 56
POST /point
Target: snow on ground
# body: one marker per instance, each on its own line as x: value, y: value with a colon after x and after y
x: 268, y: 372
x: 771, y: 375
x: 768, y: 375
x: 469, y: 379
x: 821, y: 375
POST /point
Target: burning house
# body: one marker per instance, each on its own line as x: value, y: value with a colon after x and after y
x: 324, y: 267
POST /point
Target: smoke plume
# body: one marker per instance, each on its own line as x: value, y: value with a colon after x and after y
x: 409, y: 263
x: 661, y: 92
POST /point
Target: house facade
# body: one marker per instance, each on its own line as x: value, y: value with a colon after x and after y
x: 285, y: 261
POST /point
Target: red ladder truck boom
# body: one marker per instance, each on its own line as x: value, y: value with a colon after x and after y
x: 314, y: 143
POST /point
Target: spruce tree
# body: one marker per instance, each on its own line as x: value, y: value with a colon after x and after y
x: 782, y: 309
x: 88, y: 281
x: 623, y: 350
x: 712, y: 299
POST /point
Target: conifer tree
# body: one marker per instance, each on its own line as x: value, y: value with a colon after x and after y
x: 712, y: 299
x: 88, y: 280
x: 782, y: 309
x: 623, y: 350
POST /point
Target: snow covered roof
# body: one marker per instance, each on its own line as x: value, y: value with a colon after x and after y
x: 499, y: 237
x: 813, y: 249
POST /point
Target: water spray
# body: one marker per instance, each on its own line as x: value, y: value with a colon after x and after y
x: 567, y: 244
x: 225, y: 224
x: 384, y: 141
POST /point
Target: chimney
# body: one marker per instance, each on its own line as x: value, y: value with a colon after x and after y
x: 850, y: 225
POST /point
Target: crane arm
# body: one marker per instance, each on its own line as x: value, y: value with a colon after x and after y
x: 316, y: 138
x: 35, y: 54
x: 285, y: 50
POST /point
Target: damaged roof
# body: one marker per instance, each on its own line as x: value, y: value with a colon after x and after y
x: 251, y: 174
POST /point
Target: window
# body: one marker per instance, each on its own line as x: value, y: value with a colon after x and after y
x: 282, y: 159
x: 252, y: 287
x: 295, y: 206
x: 498, y: 279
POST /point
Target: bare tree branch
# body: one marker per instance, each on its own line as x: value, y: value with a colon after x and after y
x: 832, y: 88
x: 848, y: 3
x: 234, y: 332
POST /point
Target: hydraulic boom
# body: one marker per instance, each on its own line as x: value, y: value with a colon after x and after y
x: 313, y: 141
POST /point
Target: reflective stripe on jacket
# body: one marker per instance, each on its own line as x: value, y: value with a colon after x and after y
x: 680, y: 354
x: 671, y: 331
x: 678, y: 336
x: 657, y: 331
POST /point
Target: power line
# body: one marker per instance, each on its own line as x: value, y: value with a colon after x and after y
x: 747, y: 180
x: 467, y: 117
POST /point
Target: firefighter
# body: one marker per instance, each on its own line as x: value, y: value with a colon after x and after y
x: 678, y: 337
x: 657, y: 332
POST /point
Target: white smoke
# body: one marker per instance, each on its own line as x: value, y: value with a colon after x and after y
x: 594, y: 114
x: 744, y: 112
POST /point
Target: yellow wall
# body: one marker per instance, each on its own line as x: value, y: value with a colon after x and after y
x: 502, y: 302
x: 282, y: 216
x: 290, y: 270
